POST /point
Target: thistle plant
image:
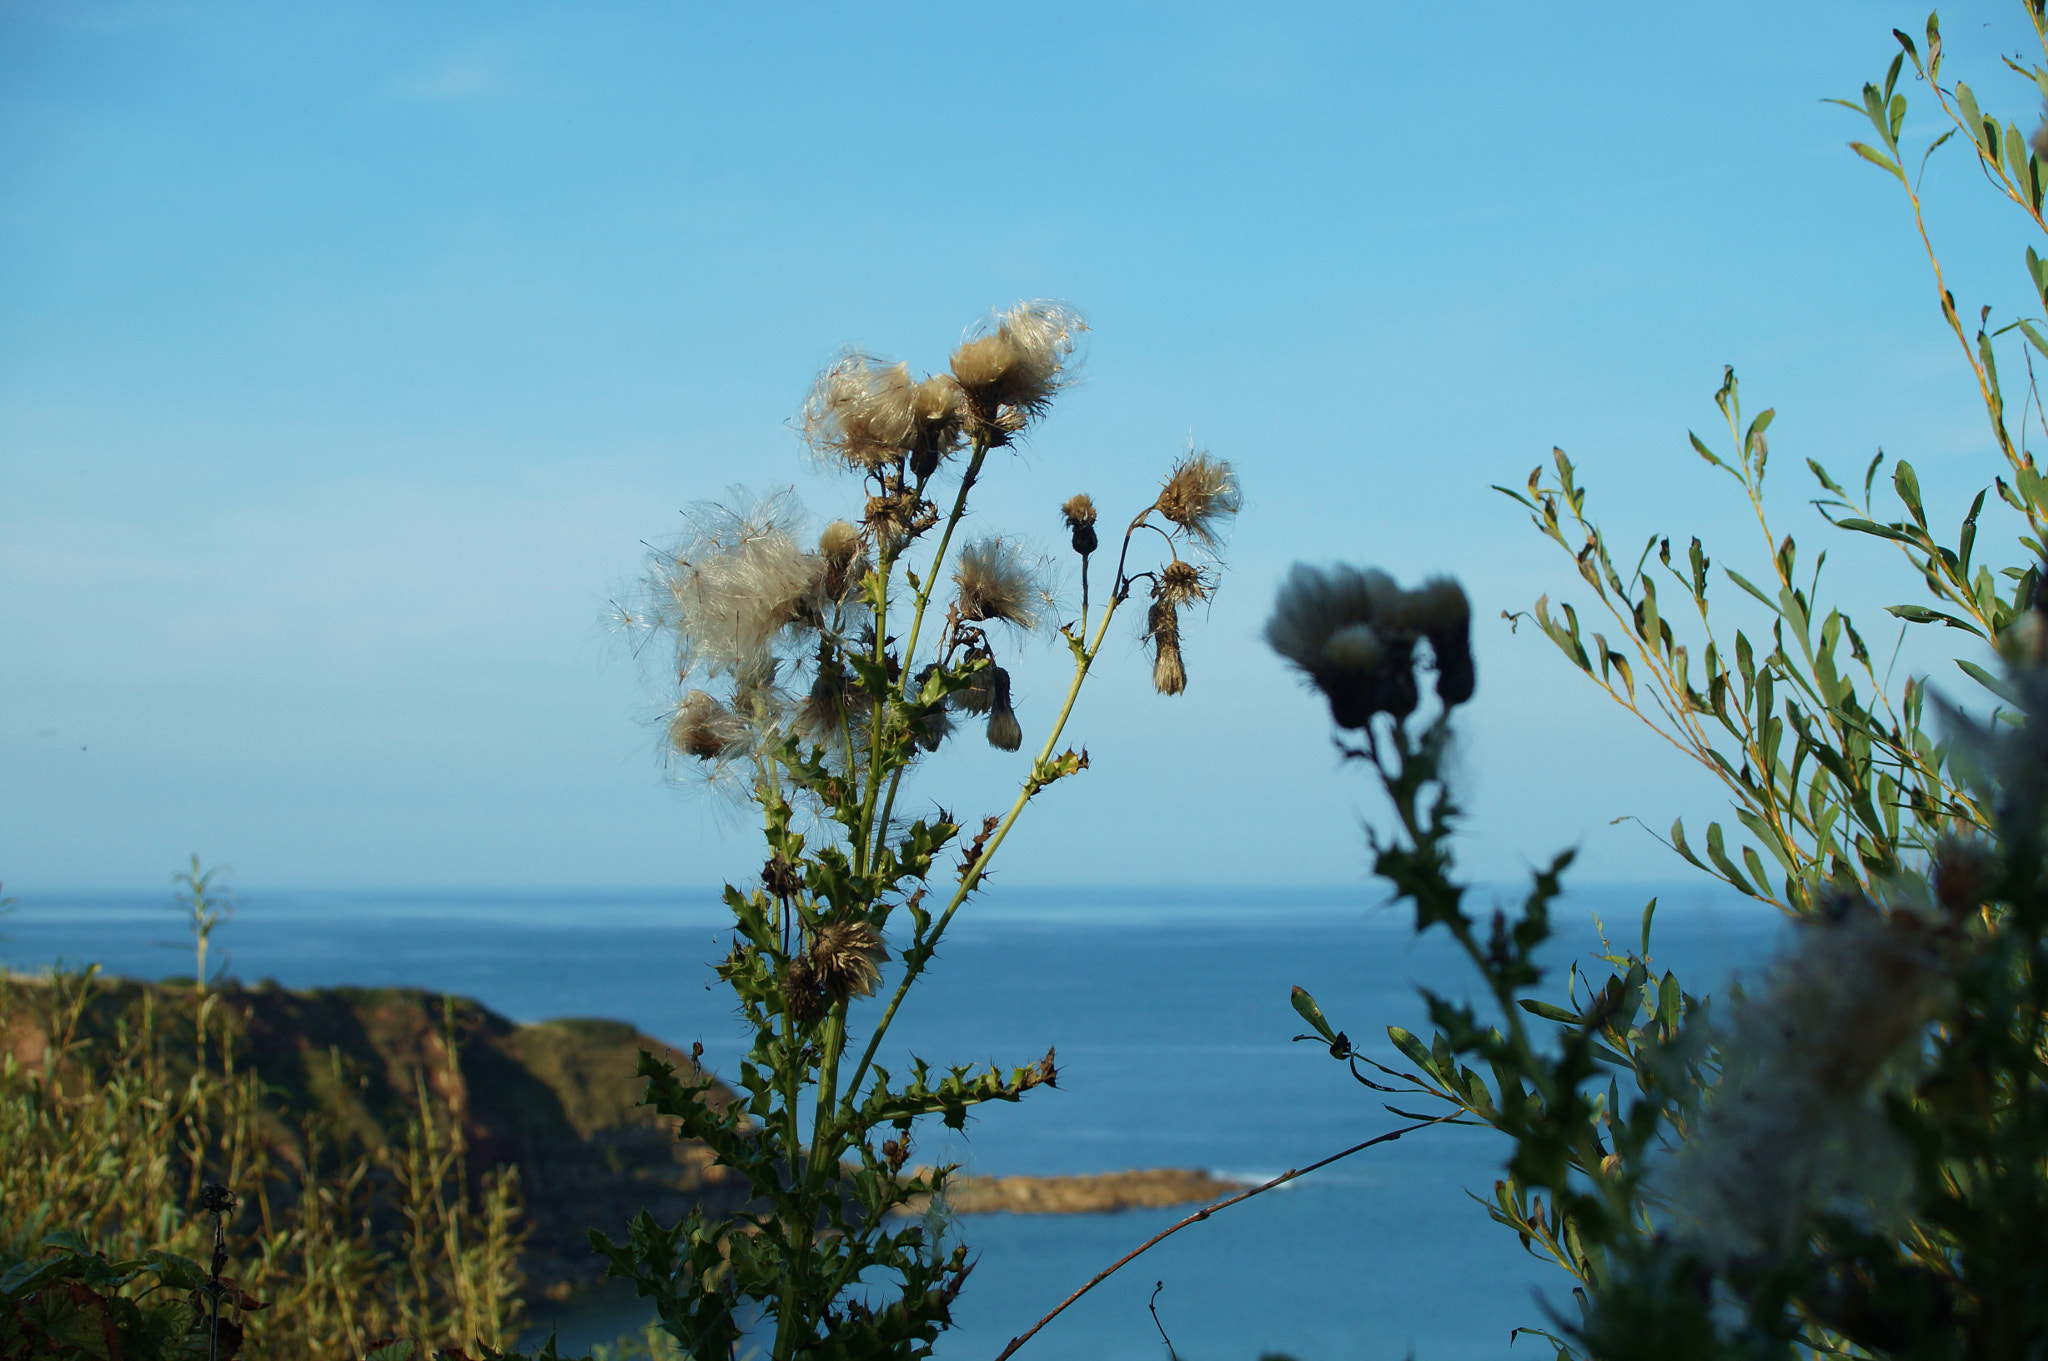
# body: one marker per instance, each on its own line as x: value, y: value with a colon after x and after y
x: 814, y: 676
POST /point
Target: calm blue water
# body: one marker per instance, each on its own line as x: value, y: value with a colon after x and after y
x: 1170, y: 1013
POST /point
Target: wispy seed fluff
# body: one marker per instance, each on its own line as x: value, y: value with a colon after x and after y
x: 997, y: 584
x: 704, y: 728
x: 1162, y: 630
x: 1794, y: 1127
x: 860, y: 411
x: 1079, y: 513
x: 1200, y: 493
x: 1017, y: 362
x: 735, y: 581
x: 847, y: 957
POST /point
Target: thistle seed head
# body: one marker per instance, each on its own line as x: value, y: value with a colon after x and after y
x: 732, y: 585
x: 939, y: 411
x: 1004, y: 732
x: 848, y: 958
x: 1182, y: 583
x: 781, y: 878
x: 996, y: 584
x: 861, y: 412
x: 704, y: 728
x: 843, y: 559
x: 1200, y: 494
x: 1011, y: 370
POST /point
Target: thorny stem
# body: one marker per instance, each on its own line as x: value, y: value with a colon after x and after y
x: 924, y: 598
x: 1200, y: 1215
x: 1084, y: 658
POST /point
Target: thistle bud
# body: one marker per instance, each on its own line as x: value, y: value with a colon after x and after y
x: 1004, y: 732
x: 1080, y: 516
x: 1444, y: 616
x: 848, y: 957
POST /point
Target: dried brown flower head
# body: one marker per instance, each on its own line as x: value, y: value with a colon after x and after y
x: 1162, y: 630
x: 1015, y: 366
x: 1200, y: 493
x: 781, y: 878
x: 1004, y: 732
x: 1182, y: 583
x: 848, y: 958
x: 996, y: 584
x: 803, y: 996
x: 1080, y: 516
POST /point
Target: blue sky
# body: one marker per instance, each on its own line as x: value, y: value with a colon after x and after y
x: 349, y: 356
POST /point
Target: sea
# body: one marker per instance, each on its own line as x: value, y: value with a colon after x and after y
x: 1169, y: 1011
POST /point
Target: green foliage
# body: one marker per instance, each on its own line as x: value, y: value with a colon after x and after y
x: 1853, y: 1158
x: 825, y: 707
x: 116, y: 1108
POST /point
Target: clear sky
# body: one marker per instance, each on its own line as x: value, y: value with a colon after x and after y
x: 350, y: 354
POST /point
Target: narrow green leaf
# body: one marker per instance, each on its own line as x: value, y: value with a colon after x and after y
x: 1313, y: 1014
x: 1878, y: 159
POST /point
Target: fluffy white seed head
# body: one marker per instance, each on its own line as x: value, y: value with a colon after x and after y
x: 1018, y: 360
x: 1794, y: 1127
x: 997, y: 583
x: 861, y: 412
x: 732, y: 585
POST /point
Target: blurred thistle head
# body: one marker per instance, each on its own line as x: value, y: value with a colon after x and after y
x: 980, y: 693
x: 1004, y: 732
x: 1015, y: 364
x: 1352, y: 634
x: 1200, y: 494
x: 1793, y: 1128
x: 1162, y: 630
x: 1080, y: 516
x: 734, y: 582
x: 997, y: 584
x: 704, y: 728
x: 848, y: 958
x: 1181, y: 583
